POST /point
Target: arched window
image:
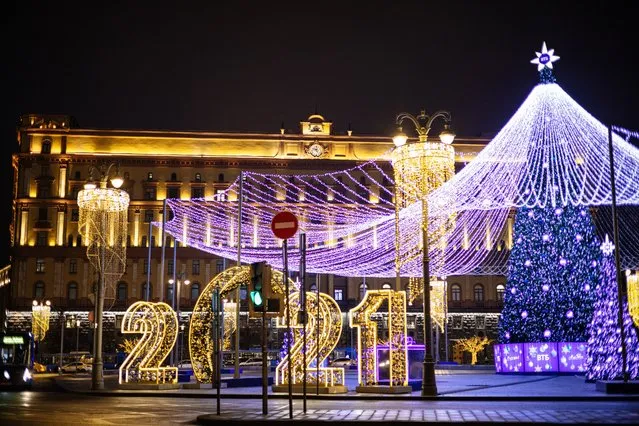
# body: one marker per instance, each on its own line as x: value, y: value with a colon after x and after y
x: 144, y: 241
x: 38, y: 290
x: 72, y: 291
x: 78, y: 241
x: 173, y: 177
x: 500, y: 292
x: 143, y: 293
x: 455, y: 292
x: 169, y: 294
x: 479, y: 292
x: 220, y: 177
x: 362, y: 180
x: 122, y: 290
x: 386, y: 286
x: 313, y: 287
x: 362, y: 291
x: 46, y: 147
x: 70, y: 240
x: 198, y: 177
x: 195, y: 291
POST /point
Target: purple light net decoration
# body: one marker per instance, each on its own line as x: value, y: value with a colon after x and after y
x: 551, y: 152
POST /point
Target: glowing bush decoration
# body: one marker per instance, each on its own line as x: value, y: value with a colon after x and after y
x: 360, y: 317
x: 200, y: 327
x: 604, y: 345
x: 158, y: 324
x: 552, y: 300
x: 330, y: 330
x: 230, y: 324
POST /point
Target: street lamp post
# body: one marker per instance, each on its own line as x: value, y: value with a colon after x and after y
x: 179, y: 280
x: 77, y: 335
x: 103, y: 224
x: 421, y: 166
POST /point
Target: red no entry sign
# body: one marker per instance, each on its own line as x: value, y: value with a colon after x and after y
x: 284, y: 225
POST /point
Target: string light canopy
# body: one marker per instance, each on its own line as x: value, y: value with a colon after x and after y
x: 551, y: 152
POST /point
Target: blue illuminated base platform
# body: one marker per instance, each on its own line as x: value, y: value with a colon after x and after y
x: 311, y: 388
x: 541, y: 358
x: 618, y: 386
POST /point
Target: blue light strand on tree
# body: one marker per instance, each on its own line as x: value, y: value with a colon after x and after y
x: 604, y: 345
x: 553, y: 268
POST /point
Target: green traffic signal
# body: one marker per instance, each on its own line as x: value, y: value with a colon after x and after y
x: 257, y: 275
x: 256, y: 298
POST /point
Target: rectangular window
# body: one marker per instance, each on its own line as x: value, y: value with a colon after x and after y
x: 148, y: 216
x: 338, y: 294
x: 40, y: 265
x: 219, y: 266
x: 42, y: 238
x: 43, y: 191
x: 220, y: 195
x: 73, y: 266
x: 197, y: 192
x: 457, y: 322
x: 149, y: 193
x: 75, y: 215
x: 43, y: 213
x: 479, y: 322
x: 170, y: 267
x: 195, y: 267
x: 173, y: 192
x: 146, y: 267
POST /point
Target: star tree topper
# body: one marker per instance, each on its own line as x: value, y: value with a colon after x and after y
x: 545, y: 58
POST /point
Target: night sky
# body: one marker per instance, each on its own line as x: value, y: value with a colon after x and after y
x: 249, y: 66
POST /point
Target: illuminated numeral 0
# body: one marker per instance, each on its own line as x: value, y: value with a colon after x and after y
x: 360, y: 318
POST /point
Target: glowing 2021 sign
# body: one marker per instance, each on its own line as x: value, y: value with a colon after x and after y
x: 158, y: 324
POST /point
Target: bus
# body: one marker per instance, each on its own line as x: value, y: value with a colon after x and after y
x: 17, y: 354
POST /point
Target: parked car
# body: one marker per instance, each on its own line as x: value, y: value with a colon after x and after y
x: 343, y: 362
x: 254, y: 362
x: 39, y: 368
x: 76, y: 367
x: 185, y: 364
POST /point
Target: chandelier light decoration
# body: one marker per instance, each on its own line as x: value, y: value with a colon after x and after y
x: 158, y: 325
x: 551, y: 152
x: 40, y: 314
x: 103, y: 225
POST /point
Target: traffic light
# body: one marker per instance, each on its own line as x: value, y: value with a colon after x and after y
x: 258, y: 287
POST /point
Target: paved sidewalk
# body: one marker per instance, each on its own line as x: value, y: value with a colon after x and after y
x: 424, y: 416
x: 450, y: 385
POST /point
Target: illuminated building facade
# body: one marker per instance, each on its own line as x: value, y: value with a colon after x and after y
x: 49, y: 256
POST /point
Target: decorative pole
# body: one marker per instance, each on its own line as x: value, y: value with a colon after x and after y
x: 103, y: 223
x: 420, y: 167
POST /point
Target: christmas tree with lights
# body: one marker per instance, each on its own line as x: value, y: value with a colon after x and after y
x: 553, y: 269
x: 604, y: 345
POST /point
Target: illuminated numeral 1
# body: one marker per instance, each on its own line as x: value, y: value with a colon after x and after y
x: 360, y: 318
